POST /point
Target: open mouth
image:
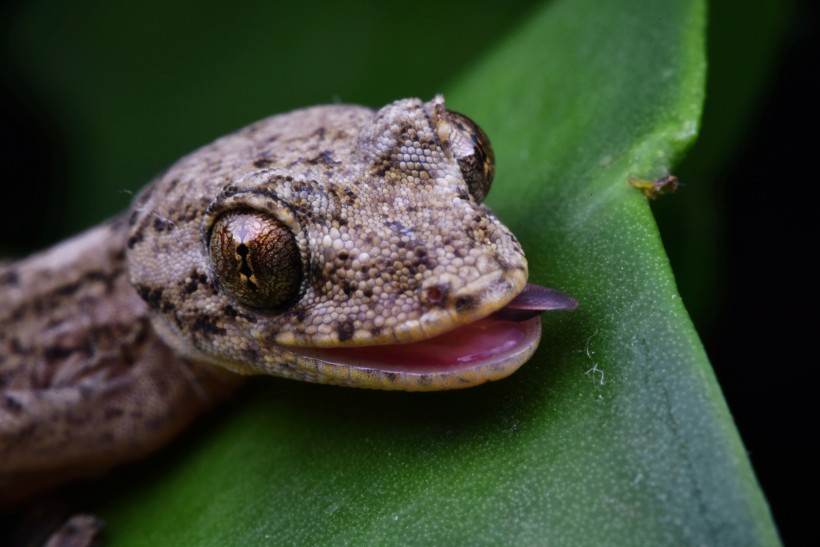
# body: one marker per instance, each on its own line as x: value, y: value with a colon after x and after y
x: 487, y: 349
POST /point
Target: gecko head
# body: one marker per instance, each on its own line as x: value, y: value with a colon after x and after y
x: 359, y: 253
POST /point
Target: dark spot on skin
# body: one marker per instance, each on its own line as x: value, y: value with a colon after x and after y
x: 405, y: 129
x: 464, y: 303
x: 208, y: 326
x: 133, y: 218
x: 368, y: 292
x: 262, y: 162
x: 16, y: 347
x: 343, y: 255
x: 107, y: 278
x: 86, y: 393
x: 348, y: 288
x: 391, y: 377
x: 395, y: 225
x: 113, y: 413
x: 152, y: 297
x: 56, y: 353
x: 325, y: 158
x: 133, y: 240
x: 345, y: 331
x: 67, y: 290
x: 162, y: 224
x: 12, y: 405
x: 424, y: 380
x: 301, y: 314
x: 317, y: 271
x: 376, y: 331
x: 197, y: 279
x: 10, y: 277
x: 228, y: 191
x: 55, y: 322
x: 230, y: 311
x: 336, y: 215
x: 189, y: 213
x: 59, y: 353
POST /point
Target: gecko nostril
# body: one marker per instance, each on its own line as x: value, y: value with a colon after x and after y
x: 435, y: 294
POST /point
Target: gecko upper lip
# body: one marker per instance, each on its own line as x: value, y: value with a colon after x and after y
x: 504, y: 340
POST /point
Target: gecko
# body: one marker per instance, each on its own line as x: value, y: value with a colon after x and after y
x: 333, y: 244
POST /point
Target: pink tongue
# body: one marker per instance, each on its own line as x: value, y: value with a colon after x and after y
x: 482, y: 341
x: 533, y: 300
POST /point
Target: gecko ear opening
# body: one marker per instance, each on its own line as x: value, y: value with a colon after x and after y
x: 472, y: 149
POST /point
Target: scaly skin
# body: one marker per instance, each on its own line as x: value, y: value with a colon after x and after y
x: 109, y: 340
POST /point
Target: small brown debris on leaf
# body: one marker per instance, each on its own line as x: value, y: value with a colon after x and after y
x: 653, y: 189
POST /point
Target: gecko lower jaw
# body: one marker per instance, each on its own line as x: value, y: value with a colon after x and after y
x: 488, y: 349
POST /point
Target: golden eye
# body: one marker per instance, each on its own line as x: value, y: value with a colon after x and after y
x: 472, y: 149
x: 255, y: 259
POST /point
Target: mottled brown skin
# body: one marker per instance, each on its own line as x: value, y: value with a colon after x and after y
x: 108, y: 340
x: 86, y: 382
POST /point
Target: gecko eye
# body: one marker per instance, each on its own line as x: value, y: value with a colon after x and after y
x: 255, y: 259
x: 471, y: 147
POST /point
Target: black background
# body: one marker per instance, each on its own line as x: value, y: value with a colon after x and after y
x: 760, y: 340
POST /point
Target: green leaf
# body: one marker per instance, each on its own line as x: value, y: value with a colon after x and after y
x: 614, y: 433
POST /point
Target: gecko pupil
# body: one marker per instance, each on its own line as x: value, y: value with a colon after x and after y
x: 255, y: 259
x: 245, y: 270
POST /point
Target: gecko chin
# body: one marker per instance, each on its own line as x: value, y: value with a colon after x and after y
x: 490, y: 348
